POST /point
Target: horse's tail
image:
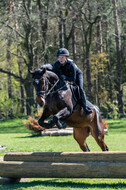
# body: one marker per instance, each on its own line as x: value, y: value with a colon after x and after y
x: 100, y: 123
x: 105, y: 124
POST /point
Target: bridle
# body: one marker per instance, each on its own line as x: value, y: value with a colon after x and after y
x: 45, y: 93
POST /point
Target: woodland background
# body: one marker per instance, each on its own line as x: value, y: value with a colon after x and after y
x: 94, y: 32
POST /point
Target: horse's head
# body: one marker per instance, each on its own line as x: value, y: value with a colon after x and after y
x: 41, y: 84
x: 43, y: 80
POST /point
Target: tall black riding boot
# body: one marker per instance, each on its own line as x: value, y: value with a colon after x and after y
x: 83, y: 104
x: 86, y: 110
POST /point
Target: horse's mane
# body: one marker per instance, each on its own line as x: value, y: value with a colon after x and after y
x: 51, y: 74
x: 49, y: 71
x: 48, y: 67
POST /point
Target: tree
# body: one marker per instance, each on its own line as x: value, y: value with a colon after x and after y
x: 87, y: 31
x: 119, y: 61
x: 33, y: 30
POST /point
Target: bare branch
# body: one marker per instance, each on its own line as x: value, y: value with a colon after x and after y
x: 12, y: 74
x: 23, y: 57
x: 95, y: 20
x: 6, y: 24
x: 19, y: 56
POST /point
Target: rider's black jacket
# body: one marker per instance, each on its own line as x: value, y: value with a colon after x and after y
x: 72, y: 73
x: 70, y: 70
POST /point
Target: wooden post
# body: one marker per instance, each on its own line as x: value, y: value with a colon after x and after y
x: 65, y: 156
x: 64, y: 165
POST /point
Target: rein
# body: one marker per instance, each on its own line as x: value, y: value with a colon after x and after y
x: 49, y: 91
x: 52, y: 87
x: 46, y: 93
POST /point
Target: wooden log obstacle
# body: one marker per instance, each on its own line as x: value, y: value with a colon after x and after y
x: 63, y: 165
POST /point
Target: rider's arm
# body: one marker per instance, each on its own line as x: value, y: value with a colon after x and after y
x: 56, y: 68
x: 72, y: 74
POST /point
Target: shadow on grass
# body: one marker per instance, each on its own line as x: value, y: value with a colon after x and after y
x: 28, y: 136
x: 13, y: 129
x: 117, y: 127
x: 69, y: 184
x: 12, y: 126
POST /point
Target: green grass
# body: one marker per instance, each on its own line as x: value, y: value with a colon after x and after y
x: 68, y: 184
x: 12, y: 126
x: 15, y: 136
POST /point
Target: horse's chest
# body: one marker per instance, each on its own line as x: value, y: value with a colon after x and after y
x: 53, y: 103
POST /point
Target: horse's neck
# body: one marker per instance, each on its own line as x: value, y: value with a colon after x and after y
x: 51, y: 75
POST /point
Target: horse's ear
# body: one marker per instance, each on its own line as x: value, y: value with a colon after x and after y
x: 43, y: 71
x: 31, y: 72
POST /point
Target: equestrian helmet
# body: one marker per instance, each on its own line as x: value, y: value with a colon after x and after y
x: 63, y: 51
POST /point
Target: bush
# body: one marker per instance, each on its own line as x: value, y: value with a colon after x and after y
x: 9, y: 108
x: 109, y: 110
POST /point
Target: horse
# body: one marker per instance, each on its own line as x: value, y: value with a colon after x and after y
x: 57, y: 99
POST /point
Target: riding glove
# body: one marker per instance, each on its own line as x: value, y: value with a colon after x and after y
x: 62, y: 77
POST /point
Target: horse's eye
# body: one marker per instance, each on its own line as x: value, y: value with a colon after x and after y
x: 36, y: 81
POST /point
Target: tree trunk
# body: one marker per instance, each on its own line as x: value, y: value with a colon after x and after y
x: 99, y: 37
x: 19, y: 61
x: 21, y: 84
x: 88, y: 74
x: 61, y: 26
x: 29, y: 89
x: 44, y: 26
x: 28, y: 44
x: 74, y: 43
x: 37, y: 43
x: 9, y: 66
x: 118, y: 54
x: 8, y: 56
x: 87, y: 62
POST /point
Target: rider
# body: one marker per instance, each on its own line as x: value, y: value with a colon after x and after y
x: 66, y: 69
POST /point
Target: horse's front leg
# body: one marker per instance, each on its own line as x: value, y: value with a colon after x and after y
x: 44, y: 116
x: 62, y: 114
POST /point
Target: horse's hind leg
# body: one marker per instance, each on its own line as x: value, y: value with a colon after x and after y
x: 80, y: 135
x: 101, y: 143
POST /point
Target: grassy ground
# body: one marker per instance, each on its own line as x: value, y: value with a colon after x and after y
x: 15, y: 136
x: 68, y: 184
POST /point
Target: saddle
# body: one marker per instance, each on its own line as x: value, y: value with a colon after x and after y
x: 75, y: 91
x: 77, y: 97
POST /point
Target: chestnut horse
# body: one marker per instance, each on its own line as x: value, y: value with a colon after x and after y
x: 57, y: 99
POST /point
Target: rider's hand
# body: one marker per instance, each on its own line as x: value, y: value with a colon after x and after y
x: 62, y: 77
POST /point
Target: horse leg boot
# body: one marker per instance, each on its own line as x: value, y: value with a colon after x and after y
x: 57, y: 122
x: 83, y: 103
x: 62, y: 114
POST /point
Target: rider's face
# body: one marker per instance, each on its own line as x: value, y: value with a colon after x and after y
x: 62, y: 59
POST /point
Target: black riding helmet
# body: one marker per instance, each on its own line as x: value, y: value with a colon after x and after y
x: 63, y: 51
